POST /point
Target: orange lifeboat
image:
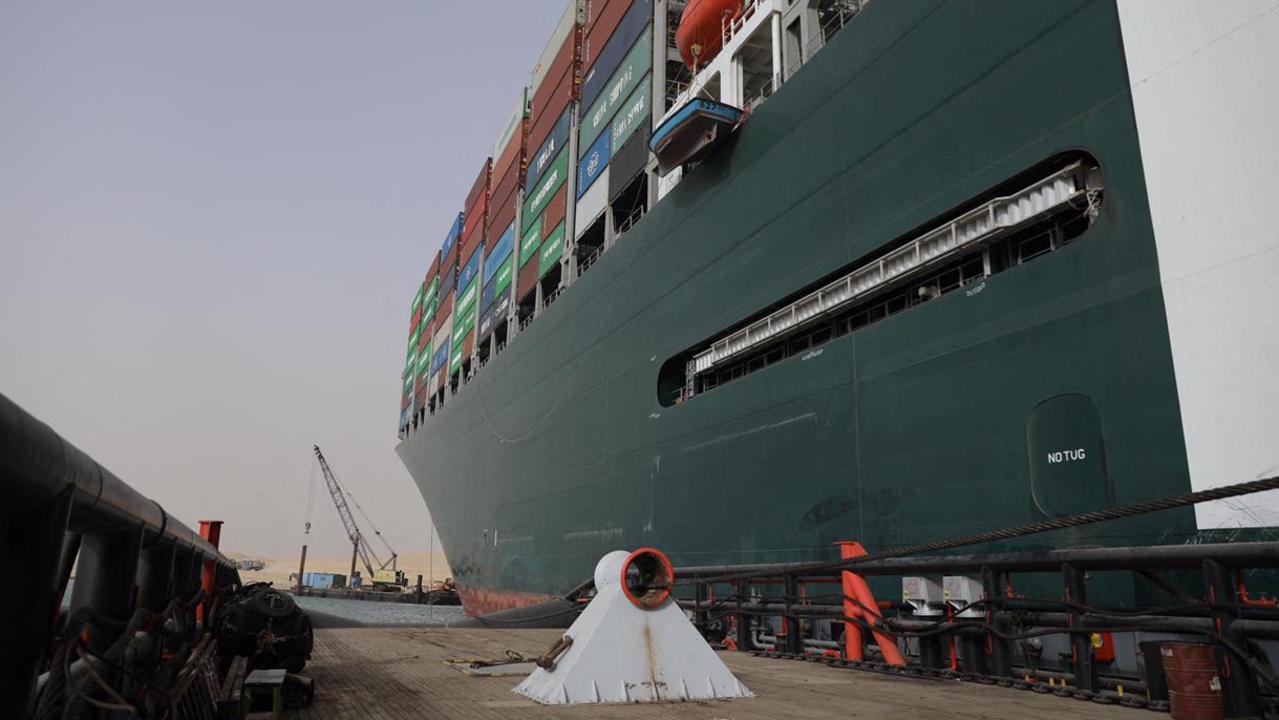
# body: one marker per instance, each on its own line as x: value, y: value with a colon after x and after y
x: 701, y: 29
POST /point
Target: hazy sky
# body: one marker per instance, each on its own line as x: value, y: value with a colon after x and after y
x: 212, y: 219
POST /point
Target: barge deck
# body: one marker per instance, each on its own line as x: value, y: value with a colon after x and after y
x: 365, y: 673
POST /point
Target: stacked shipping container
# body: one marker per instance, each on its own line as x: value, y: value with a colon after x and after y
x: 471, y: 253
x: 407, y: 406
x: 544, y: 214
x: 576, y: 143
x: 422, y: 370
x: 499, y: 256
x: 616, y: 107
x: 443, y: 326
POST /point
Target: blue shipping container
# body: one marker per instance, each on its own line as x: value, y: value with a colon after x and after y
x: 455, y: 232
x: 441, y: 356
x: 495, y: 315
x: 500, y: 251
x: 323, y: 581
x: 469, y: 271
x: 594, y: 162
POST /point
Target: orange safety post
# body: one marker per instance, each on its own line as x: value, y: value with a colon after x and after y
x: 859, y: 602
x: 210, y: 530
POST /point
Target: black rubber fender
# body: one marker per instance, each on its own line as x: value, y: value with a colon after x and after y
x: 272, y: 603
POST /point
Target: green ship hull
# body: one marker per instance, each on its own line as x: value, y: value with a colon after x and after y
x: 926, y: 425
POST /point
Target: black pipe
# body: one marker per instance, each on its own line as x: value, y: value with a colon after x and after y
x: 1246, y: 554
x: 37, y: 464
x: 1254, y: 628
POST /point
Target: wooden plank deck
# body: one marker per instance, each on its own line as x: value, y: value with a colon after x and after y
x: 400, y: 673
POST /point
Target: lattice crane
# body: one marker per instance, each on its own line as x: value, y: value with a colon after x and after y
x: 360, y: 545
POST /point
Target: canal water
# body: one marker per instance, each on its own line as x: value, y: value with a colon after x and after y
x: 366, y: 612
x: 361, y: 612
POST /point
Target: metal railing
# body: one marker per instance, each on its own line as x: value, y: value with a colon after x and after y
x: 60, y: 509
x: 776, y: 610
x: 982, y: 224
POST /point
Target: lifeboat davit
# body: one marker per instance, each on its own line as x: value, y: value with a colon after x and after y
x: 700, y: 35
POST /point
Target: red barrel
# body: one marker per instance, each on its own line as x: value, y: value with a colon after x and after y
x: 1194, y: 690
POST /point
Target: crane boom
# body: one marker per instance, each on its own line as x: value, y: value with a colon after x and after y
x: 344, y: 512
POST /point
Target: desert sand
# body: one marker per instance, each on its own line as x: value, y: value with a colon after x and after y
x: 278, y: 569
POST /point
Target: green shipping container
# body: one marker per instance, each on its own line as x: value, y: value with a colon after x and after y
x: 466, y: 301
x: 531, y: 242
x: 633, y: 113
x: 463, y: 323
x: 629, y: 74
x: 414, y: 337
x: 546, y: 188
x: 504, y: 274
x: 551, y: 251
x: 431, y: 297
x: 455, y: 361
x: 417, y: 300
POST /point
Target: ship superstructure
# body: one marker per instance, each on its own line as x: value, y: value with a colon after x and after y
x: 962, y: 265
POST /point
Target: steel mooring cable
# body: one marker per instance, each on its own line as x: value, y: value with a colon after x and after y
x: 1089, y: 518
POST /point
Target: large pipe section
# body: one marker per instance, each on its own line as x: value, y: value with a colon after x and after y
x: 57, y: 504
x: 38, y: 465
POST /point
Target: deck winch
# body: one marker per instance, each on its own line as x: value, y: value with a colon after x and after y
x: 632, y: 643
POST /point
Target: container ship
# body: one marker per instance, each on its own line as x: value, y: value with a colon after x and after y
x: 742, y: 279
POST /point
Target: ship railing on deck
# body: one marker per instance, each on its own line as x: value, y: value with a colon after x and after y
x: 839, y: 14
x: 588, y: 261
x: 629, y: 221
x: 967, y: 613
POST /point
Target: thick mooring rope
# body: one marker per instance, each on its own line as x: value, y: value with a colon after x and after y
x: 1089, y: 518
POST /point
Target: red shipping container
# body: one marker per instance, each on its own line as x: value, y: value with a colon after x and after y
x: 501, y: 218
x: 527, y: 279
x: 475, y: 215
x: 480, y: 186
x: 509, y: 185
x: 423, y: 342
x: 442, y: 315
x: 592, y: 11
x: 564, y: 62
x: 417, y: 319
x: 404, y: 401
x: 435, y: 267
x: 450, y: 262
x: 474, y: 235
x: 602, y: 19
x: 505, y: 185
x: 555, y: 211
x: 510, y: 157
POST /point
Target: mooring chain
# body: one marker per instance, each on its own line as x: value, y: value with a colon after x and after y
x: 1089, y: 518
